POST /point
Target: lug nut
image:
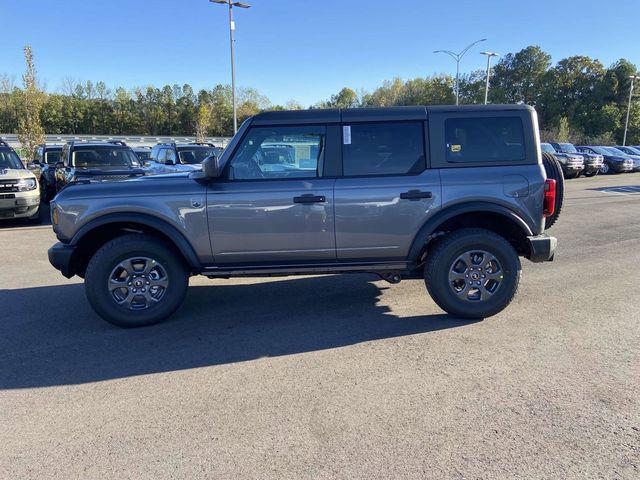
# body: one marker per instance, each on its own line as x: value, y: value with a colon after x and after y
x: 135, y: 291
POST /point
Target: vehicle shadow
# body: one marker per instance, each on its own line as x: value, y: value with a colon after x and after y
x: 52, y: 337
x: 619, y: 189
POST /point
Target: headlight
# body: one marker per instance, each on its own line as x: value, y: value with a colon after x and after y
x: 26, y: 184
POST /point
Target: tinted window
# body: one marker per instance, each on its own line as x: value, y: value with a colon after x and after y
x: 383, y: 149
x: 484, y: 139
x: 281, y: 152
x: 194, y: 155
x: 103, y: 157
x: 53, y: 156
x: 545, y: 147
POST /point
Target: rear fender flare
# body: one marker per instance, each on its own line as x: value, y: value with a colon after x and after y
x: 431, y: 226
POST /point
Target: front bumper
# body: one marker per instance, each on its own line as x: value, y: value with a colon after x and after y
x: 19, y: 205
x: 61, y: 257
x: 593, y: 166
x: 542, y: 248
x: 620, y: 167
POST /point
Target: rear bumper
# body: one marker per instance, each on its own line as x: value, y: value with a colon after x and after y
x: 542, y: 248
x: 61, y: 257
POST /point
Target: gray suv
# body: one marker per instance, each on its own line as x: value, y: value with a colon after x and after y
x: 454, y: 195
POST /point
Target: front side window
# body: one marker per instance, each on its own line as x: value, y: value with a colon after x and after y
x: 97, y: 157
x: 383, y: 149
x: 484, y: 139
x: 278, y: 153
x: 9, y: 160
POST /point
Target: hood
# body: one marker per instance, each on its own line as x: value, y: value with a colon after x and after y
x: 15, y: 173
x: 155, y: 185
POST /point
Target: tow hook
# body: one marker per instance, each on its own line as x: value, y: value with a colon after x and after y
x: 391, y: 277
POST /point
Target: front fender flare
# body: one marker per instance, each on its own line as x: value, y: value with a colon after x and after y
x: 178, y: 239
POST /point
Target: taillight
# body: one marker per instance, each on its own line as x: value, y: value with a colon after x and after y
x: 549, y: 197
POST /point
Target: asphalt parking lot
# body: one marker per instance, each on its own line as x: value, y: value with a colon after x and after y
x: 334, y: 377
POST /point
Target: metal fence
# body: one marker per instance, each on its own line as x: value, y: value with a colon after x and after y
x: 131, y: 140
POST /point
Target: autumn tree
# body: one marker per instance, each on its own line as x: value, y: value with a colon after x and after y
x: 30, y: 131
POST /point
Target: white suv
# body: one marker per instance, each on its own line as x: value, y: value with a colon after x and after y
x: 19, y: 190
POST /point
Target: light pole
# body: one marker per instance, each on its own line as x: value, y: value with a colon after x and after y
x: 457, y: 57
x: 232, y: 27
x: 626, y: 123
x: 486, y: 88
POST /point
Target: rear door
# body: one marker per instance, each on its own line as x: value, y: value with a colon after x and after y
x: 386, y: 192
x: 273, y: 204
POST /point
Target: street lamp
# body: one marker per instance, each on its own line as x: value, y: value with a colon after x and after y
x: 457, y: 57
x: 626, y: 124
x: 486, y: 88
x: 232, y: 27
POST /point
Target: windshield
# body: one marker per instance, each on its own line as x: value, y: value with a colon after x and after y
x: 104, y: 157
x: 195, y: 155
x: 9, y: 159
x: 144, y: 155
x: 601, y: 150
x: 615, y: 151
x: 567, y: 148
x: 629, y: 150
x: 546, y: 147
x: 52, y: 157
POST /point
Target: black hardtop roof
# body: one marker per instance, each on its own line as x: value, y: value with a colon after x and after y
x: 373, y: 114
x: 87, y: 145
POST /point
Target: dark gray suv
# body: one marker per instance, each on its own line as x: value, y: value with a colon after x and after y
x: 454, y: 195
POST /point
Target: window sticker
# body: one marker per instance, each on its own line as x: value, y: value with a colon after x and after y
x: 346, y: 135
x: 456, y: 148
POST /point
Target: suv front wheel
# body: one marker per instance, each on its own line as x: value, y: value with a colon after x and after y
x: 135, y: 280
x: 472, y: 273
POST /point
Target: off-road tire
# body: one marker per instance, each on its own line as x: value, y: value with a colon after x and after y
x: 127, y: 246
x: 554, y: 172
x: 444, y: 254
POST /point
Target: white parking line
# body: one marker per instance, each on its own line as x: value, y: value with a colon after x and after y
x: 631, y: 190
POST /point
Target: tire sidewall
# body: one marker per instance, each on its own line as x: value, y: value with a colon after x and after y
x: 103, y: 263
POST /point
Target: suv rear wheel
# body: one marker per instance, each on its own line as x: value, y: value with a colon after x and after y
x: 472, y: 273
x: 135, y: 280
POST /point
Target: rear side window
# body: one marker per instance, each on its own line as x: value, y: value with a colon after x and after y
x: 383, y: 149
x: 484, y: 139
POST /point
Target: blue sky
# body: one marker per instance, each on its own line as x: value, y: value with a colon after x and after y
x: 298, y: 49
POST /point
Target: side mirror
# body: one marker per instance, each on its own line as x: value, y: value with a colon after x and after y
x: 211, y: 167
x: 169, y: 162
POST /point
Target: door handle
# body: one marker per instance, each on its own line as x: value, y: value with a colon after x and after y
x: 415, y: 195
x: 310, y: 198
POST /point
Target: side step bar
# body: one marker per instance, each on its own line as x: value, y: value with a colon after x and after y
x: 302, y: 269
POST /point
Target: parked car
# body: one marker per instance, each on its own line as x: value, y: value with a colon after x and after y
x: 614, y: 161
x: 592, y: 161
x: 96, y: 161
x: 143, y: 153
x: 46, y: 157
x: 19, y: 191
x: 632, y: 153
x: 457, y: 211
x: 179, y: 157
x: 571, y: 164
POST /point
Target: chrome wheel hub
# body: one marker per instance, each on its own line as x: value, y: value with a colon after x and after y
x: 138, y: 283
x: 475, y: 276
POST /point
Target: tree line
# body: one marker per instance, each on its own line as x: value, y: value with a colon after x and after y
x: 577, y: 99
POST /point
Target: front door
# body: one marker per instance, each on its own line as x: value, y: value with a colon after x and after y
x: 272, y: 205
